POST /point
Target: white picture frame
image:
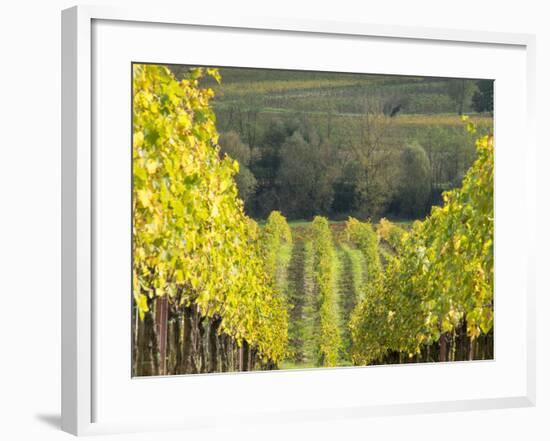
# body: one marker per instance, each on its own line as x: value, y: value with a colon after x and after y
x: 95, y: 37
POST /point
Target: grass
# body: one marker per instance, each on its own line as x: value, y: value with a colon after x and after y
x: 306, y: 223
x: 311, y: 308
x: 230, y: 90
x: 403, y: 120
x: 441, y: 119
x: 289, y: 364
x: 295, y: 299
x: 358, y: 269
x: 280, y: 91
x: 352, y: 280
x: 338, y: 292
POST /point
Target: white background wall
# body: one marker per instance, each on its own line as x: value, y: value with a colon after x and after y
x: 30, y: 218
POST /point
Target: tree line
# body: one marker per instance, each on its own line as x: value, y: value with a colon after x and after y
x: 368, y: 170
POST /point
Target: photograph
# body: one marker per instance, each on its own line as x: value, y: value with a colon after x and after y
x: 234, y: 221
x: 292, y: 219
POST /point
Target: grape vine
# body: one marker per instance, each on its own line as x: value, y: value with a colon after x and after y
x: 194, y: 248
x: 441, y: 279
x: 329, y: 339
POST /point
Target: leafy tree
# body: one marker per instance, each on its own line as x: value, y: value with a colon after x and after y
x: 451, y: 152
x: 371, y: 147
x: 414, y: 189
x: 231, y: 144
x: 265, y: 163
x: 461, y: 90
x: 482, y: 101
x: 306, y: 176
x: 277, y: 131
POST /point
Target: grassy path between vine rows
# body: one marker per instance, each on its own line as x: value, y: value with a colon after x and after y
x: 295, y: 277
x: 352, y: 278
x: 295, y: 298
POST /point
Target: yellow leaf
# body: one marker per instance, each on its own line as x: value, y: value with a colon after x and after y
x: 144, y: 197
x: 151, y: 166
x: 138, y: 139
x: 141, y: 303
x: 215, y: 212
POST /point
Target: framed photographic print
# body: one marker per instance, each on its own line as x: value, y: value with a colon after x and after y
x: 265, y: 209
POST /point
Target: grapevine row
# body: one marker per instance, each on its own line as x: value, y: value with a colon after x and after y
x: 199, y: 277
x: 436, y: 293
x: 325, y: 280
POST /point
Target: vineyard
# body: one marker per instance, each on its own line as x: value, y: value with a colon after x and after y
x: 216, y: 291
